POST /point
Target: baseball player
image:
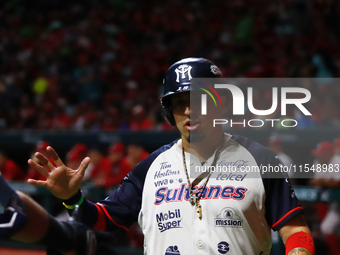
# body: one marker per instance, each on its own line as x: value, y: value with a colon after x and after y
x: 179, y: 213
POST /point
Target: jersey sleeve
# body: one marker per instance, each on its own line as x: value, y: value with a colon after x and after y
x: 281, y: 202
x: 121, y: 208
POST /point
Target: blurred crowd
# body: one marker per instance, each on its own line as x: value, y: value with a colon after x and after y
x: 98, y: 65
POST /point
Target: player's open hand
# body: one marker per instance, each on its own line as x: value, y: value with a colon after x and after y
x: 62, y: 181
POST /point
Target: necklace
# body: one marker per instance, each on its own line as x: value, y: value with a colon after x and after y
x: 194, y: 197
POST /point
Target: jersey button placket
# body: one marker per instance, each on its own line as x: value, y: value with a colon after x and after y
x: 200, y: 244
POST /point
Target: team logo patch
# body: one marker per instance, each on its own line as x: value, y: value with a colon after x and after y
x: 171, y: 250
x: 169, y: 220
x: 182, y: 71
x: 228, y: 218
x: 223, y: 247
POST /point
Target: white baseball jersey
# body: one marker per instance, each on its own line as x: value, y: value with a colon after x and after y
x: 238, y: 209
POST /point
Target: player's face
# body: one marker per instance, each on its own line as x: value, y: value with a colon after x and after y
x: 193, y: 126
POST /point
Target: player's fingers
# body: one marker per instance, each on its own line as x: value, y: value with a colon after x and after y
x: 37, y: 182
x: 83, y: 165
x: 55, y: 156
x: 46, y: 163
x: 38, y: 168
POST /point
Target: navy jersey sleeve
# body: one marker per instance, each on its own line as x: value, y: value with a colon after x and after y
x: 121, y: 208
x: 281, y: 204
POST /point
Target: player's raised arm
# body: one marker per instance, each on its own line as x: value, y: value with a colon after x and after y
x: 62, y: 181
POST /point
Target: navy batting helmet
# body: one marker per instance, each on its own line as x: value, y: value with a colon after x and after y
x: 177, y: 79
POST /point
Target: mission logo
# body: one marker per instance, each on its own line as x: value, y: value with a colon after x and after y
x: 228, y: 218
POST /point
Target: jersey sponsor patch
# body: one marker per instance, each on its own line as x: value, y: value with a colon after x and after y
x: 169, y: 220
x: 172, y: 250
x: 230, y: 177
x: 167, y: 181
x: 210, y: 192
x: 161, y: 182
x: 233, y: 164
x: 223, y: 247
x: 228, y: 218
x: 164, y: 171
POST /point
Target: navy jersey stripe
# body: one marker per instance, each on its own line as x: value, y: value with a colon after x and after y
x: 291, y: 212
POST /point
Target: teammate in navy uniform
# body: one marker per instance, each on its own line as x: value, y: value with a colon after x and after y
x: 179, y: 213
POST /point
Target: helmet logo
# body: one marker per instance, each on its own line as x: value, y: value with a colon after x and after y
x: 215, y: 70
x: 183, y: 69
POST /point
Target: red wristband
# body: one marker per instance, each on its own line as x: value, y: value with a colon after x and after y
x: 300, y: 239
